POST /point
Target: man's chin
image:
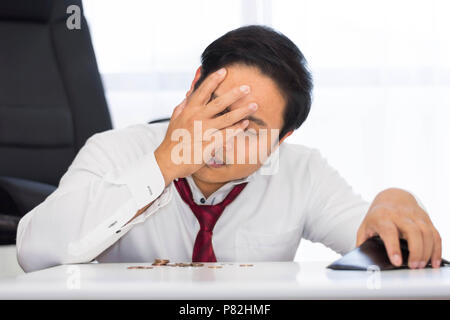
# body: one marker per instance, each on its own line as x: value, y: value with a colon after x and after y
x: 215, y: 173
x: 224, y: 173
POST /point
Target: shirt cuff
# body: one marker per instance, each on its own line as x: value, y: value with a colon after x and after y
x: 111, y: 230
x: 143, y: 178
x: 162, y: 201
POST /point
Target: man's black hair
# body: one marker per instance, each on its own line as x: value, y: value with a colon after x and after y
x: 275, y: 56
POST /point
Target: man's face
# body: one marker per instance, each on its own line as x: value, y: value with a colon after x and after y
x: 246, y: 147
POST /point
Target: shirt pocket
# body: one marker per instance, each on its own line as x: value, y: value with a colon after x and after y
x: 255, y: 246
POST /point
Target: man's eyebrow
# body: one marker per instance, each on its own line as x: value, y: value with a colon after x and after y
x: 256, y: 120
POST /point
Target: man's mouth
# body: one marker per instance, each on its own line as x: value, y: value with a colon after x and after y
x: 215, y: 163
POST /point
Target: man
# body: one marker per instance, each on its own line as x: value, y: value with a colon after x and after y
x: 144, y: 192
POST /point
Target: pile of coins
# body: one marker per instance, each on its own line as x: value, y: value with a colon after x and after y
x: 160, y: 262
x: 139, y: 267
x: 192, y: 264
x: 165, y: 262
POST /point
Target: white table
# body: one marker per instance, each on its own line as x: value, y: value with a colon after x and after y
x: 265, y: 280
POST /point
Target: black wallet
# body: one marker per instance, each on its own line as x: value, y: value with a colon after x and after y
x: 373, y: 253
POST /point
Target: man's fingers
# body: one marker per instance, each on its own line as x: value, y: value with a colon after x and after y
x: 178, y: 109
x: 230, y: 118
x: 226, y: 135
x: 427, y: 235
x: 203, y: 93
x: 219, y: 104
x: 390, y: 236
x: 236, y: 129
x: 414, y: 236
x: 230, y: 133
x: 360, y: 239
x: 362, y: 235
x: 437, y: 250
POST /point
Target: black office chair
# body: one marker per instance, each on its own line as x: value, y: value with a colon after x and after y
x: 159, y: 120
x: 51, y: 102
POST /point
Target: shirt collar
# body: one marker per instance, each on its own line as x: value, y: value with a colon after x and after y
x: 219, y: 194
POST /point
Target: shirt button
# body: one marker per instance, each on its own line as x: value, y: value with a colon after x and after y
x: 202, y: 200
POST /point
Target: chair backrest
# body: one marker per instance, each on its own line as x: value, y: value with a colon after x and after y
x: 51, y: 94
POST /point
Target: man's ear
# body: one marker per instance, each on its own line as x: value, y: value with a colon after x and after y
x: 198, y: 74
x: 285, y: 136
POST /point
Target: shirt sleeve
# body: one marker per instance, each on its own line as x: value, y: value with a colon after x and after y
x: 89, y: 210
x: 334, y: 211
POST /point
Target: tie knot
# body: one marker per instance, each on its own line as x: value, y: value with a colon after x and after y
x: 207, y: 215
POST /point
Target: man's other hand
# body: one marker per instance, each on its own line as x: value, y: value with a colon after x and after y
x: 395, y: 214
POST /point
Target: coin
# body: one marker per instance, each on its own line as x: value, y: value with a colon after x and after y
x: 160, y: 262
x: 139, y: 267
x: 196, y: 264
x: 181, y: 264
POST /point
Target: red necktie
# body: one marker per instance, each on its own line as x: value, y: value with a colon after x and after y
x: 207, y: 216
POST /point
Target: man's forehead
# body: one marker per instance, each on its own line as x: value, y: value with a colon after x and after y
x: 262, y: 87
x: 263, y: 90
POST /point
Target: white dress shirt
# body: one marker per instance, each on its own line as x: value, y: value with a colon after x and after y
x: 115, y: 174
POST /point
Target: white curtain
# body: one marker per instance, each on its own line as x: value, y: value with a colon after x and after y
x: 381, y: 110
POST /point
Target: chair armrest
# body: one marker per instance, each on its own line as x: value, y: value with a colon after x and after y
x: 159, y: 120
x: 25, y: 194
